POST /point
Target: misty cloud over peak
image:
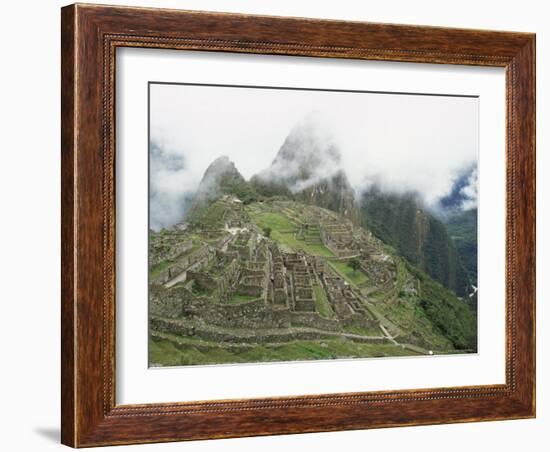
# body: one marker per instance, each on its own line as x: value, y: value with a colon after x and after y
x: 308, y: 155
x: 220, y: 177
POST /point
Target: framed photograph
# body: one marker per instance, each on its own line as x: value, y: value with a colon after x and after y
x: 281, y: 225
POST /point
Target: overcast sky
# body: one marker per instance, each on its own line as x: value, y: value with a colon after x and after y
x: 403, y: 142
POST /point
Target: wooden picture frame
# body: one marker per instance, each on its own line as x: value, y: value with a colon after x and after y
x: 90, y: 35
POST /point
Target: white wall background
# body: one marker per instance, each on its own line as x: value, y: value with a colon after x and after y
x: 29, y: 186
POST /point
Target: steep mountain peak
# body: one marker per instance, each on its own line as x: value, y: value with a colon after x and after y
x: 220, y: 178
x: 217, y: 176
x: 308, y: 167
x: 222, y: 162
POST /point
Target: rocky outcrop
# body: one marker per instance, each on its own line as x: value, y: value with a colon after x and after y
x: 220, y: 178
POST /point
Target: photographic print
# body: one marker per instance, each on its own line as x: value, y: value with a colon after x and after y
x: 292, y: 224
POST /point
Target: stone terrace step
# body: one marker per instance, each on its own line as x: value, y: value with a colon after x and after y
x: 218, y: 334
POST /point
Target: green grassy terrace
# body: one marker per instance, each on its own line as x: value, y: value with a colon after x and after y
x: 354, y: 277
x: 283, y: 231
x: 172, y: 350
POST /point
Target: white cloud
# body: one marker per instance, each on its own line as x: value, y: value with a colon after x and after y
x: 404, y: 142
x: 470, y: 191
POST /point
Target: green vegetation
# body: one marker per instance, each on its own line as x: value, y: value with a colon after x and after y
x: 374, y: 331
x: 267, y: 231
x: 349, y: 274
x: 402, y: 276
x: 321, y: 302
x: 172, y: 350
x: 269, y: 189
x: 451, y: 316
x: 211, y: 216
x: 161, y: 266
x: 401, y: 222
x: 463, y: 230
x: 420, y: 311
x: 315, y: 249
x: 241, y: 189
x: 284, y: 231
x: 277, y: 222
x: 198, y: 289
x: 354, y: 264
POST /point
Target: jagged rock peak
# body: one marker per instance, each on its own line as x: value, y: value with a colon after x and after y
x: 220, y: 171
x: 308, y: 167
x: 219, y: 167
x: 221, y: 177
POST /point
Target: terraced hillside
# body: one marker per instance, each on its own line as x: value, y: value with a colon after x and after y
x: 279, y: 280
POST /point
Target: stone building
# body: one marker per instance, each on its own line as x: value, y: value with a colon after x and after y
x: 193, y: 261
x: 299, y: 283
x: 278, y: 278
x: 337, y: 236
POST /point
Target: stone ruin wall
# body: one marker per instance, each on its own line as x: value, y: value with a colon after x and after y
x: 175, y: 250
x: 165, y: 305
x: 227, y: 282
x: 261, y: 337
x: 299, y: 284
x: 250, y: 290
x: 338, y: 238
x: 211, y: 233
x: 254, y: 315
x: 194, y: 262
x: 380, y: 272
x: 203, y: 280
x: 278, y: 276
